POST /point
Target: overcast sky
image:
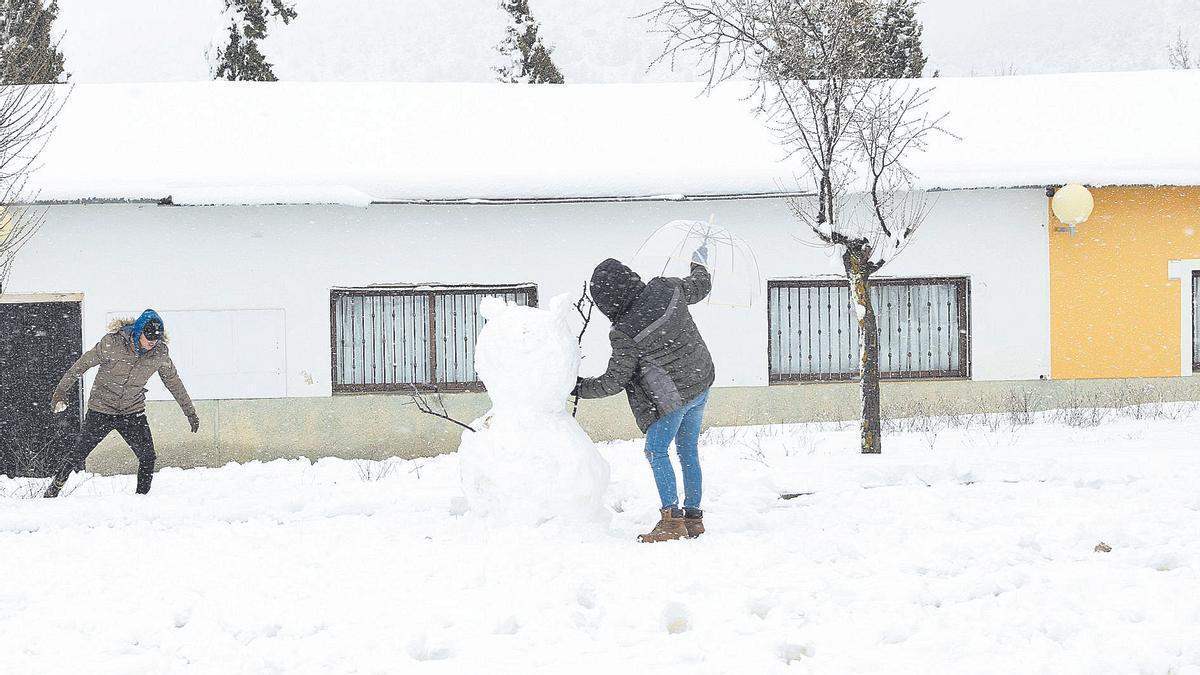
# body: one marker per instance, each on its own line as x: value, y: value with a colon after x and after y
x: 595, y: 40
x: 986, y: 37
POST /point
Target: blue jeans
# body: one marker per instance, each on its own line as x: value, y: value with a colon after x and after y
x: 683, y: 425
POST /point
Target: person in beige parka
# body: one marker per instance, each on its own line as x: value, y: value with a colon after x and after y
x: 128, y: 356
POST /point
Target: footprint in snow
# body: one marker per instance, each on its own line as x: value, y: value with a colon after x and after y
x: 676, y: 618
x: 507, y: 626
x: 420, y: 648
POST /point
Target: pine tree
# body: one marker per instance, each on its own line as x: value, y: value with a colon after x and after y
x: 898, y: 41
x: 28, y: 53
x: 240, y: 58
x: 530, y: 59
x: 1179, y: 54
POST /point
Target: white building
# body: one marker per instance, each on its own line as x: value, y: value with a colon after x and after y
x: 267, y: 221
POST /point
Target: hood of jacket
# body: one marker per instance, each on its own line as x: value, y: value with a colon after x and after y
x: 614, y: 288
x: 132, y: 328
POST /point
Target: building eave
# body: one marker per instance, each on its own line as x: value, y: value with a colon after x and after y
x: 575, y: 199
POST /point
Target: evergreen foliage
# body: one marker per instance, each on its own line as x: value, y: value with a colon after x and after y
x: 28, y: 53
x: 898, y: 41
x: 240, y: 58
x: 530, y: 61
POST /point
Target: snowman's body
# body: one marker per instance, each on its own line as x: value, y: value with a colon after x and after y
x: 528, y: 461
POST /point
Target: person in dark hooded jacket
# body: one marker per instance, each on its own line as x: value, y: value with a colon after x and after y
x: 127, y: 356
x: 662, y: 364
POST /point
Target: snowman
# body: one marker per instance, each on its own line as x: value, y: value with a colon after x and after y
x: 528, y: 462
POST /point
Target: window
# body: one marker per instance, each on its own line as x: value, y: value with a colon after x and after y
x: 923, y: 329
x: 1195, y: 320
x: 391, y: 338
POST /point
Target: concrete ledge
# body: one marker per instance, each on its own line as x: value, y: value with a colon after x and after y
x: 21, y: 298
x: 376, y: 426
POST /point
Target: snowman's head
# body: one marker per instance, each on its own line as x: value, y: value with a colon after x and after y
x: 527, y: 357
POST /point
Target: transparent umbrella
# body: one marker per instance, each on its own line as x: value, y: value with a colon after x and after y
x: 731, y: 262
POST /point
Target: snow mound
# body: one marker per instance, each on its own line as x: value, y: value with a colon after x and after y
x: 528, y: 462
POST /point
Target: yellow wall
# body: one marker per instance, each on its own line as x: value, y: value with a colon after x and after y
x: 1113, y: 311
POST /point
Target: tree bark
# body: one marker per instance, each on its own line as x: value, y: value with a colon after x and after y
x: 858, y: 271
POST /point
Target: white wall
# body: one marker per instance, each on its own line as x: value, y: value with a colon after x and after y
x: 229, y: 353
x: 181, y: 259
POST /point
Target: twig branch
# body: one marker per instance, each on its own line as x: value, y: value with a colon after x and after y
x: 423, y: 404
x: 585, y: 298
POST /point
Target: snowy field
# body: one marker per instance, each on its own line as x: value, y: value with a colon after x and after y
x: 964, y: 548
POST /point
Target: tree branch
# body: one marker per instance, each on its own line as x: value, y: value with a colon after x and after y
x: 419, y: 399
x: 585, y: 298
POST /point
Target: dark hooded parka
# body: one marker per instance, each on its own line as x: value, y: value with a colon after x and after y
x: 658, y: 356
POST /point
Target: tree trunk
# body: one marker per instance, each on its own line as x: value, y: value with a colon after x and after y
x: 858, y: 272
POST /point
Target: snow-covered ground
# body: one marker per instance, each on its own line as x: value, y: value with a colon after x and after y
x: 961, y: 549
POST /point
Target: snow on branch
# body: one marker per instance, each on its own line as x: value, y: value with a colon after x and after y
x: 828, y: 77
x: 825, y: 85
x: 894, y: 123
x: 720, y: 35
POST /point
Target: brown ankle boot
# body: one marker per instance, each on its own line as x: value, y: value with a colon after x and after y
x: 693, y: 520
x: 670, y: 526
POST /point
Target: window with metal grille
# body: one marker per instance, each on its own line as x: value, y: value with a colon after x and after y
x: 1195, y: 321
x: 923, y: 329
x: 392, y: 338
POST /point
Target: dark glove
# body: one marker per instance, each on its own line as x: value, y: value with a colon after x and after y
x: 194, y: 420
x: 575, y: 391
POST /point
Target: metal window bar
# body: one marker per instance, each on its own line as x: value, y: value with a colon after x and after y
x: 1195, y: 321
x: 921, y: 323
x: 389, y: 339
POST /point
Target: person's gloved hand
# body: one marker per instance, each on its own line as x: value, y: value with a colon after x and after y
x: 700, y: 255
x: 57, y: 405
x: 194, y: 420
x: 575, y: 391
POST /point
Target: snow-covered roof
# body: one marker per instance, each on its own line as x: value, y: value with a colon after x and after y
x: 355, y: 143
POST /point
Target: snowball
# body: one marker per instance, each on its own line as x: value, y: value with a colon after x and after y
x: 528, y: 461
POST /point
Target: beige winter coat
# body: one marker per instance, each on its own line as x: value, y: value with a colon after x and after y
x: 120, y: 386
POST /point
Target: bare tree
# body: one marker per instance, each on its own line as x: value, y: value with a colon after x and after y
x: 1179, y: 54
x: 27, y: 114
x: 814, y: 89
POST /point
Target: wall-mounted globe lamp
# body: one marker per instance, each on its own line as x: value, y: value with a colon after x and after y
x: 1072, y: 205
